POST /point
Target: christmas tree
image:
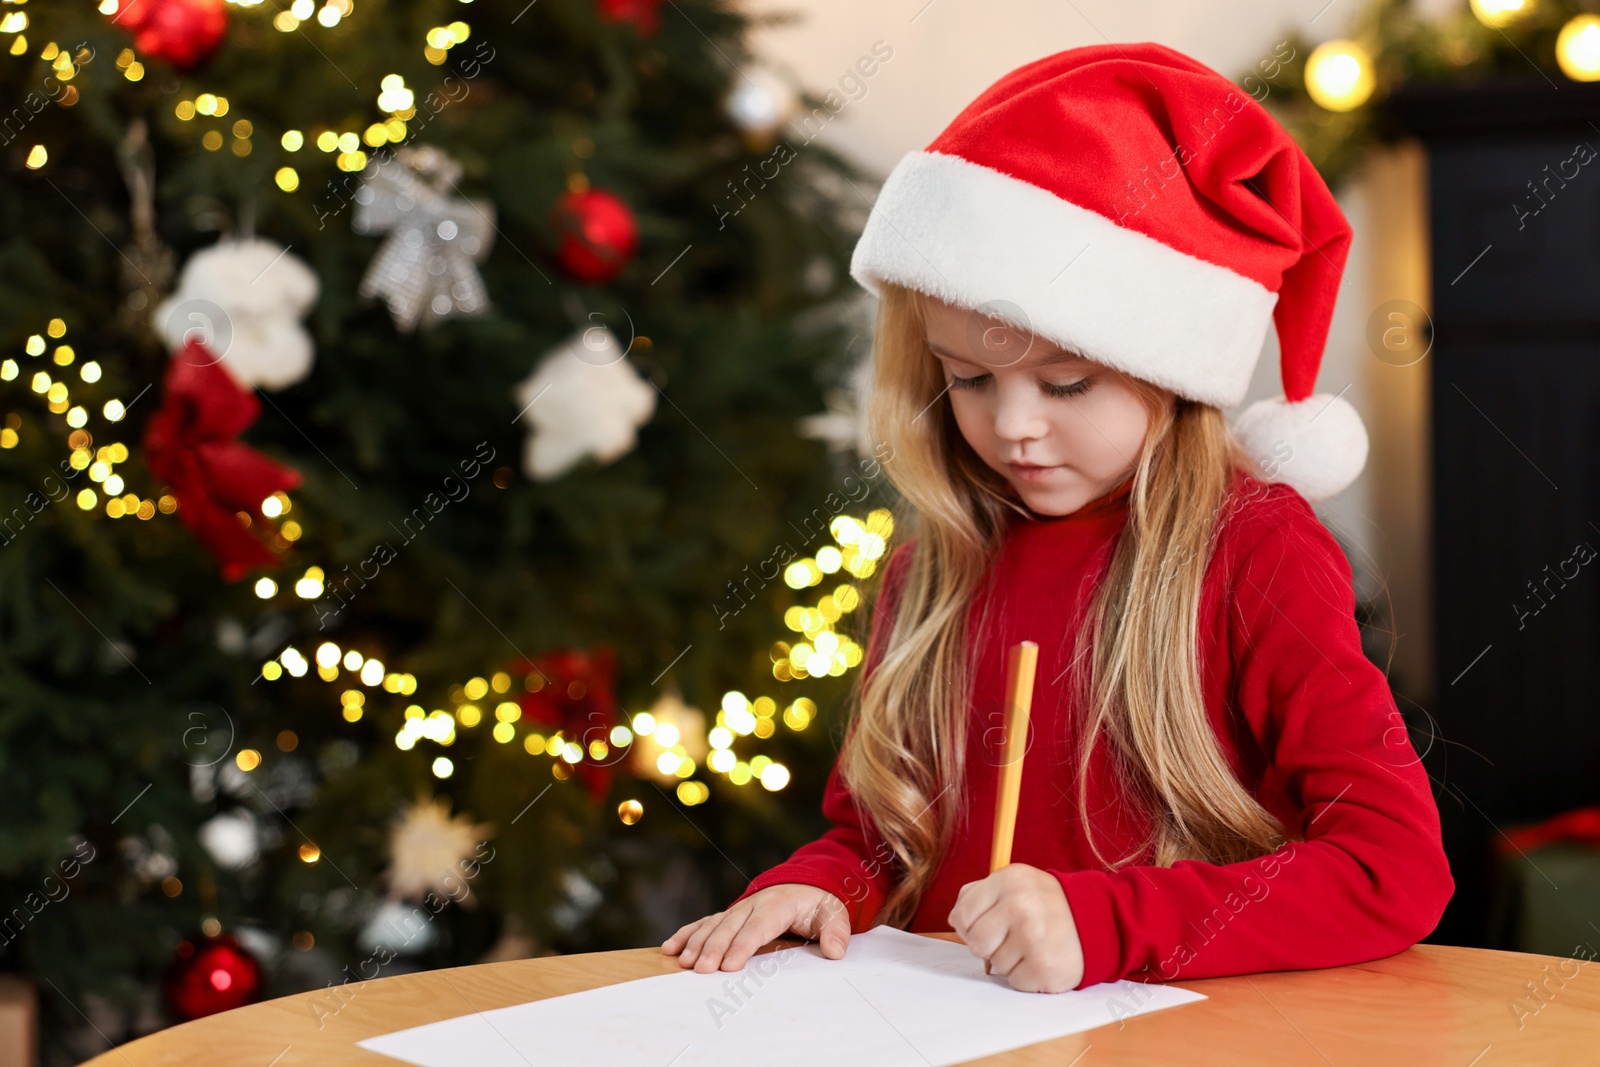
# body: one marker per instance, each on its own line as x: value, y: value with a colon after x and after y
x: 412, y: 539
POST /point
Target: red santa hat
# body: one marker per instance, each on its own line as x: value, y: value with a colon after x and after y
x: 1132, y: 204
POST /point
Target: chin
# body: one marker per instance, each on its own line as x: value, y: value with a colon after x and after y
x: 1053, y: 502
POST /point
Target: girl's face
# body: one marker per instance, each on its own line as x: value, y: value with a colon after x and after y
x: 1061, y: 429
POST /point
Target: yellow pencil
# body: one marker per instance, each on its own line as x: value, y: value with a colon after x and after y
x: 1019, y: 703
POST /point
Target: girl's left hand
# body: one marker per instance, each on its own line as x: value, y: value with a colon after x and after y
x: 1019, y: 921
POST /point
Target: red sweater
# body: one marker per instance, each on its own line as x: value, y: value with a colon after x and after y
x: 1306, y: 721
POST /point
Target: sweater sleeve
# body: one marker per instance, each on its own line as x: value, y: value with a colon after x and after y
x: 849, y: 860
x: 1367, y: 876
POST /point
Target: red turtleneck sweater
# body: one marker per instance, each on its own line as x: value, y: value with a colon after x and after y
x: 1306, y: 721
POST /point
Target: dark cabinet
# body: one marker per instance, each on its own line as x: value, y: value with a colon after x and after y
x: 1514, y: 187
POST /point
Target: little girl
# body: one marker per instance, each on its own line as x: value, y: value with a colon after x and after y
x: 1074, y: 279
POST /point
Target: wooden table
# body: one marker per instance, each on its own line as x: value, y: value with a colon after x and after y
x: 1429, y: 1006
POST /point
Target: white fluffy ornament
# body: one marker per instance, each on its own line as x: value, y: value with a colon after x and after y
x: 1317, y: 445
x: 431, y: 851
x: 244, y: 298
x: 584, y: 400
x: 232, y: 839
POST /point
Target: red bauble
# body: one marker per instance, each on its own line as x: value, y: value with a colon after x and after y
x: 644, y: 15
x: 183, y: 32
x: 211, y: 975
x: 576, y: 694
x: 598, y: 234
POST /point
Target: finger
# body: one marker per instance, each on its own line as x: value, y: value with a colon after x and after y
x: 987, y: 934
x: 761, y: 927
x: 829, y: 924
x: 674, y: 944
x: 974, y: 900
x: 1008, y: 957
x: 712, y: 952
x: 697, y: 940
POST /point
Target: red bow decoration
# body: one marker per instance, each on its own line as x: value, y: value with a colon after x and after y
x: 576, y: 694
x: 192, y: 445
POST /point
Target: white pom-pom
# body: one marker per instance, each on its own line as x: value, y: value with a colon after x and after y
x: 1317, y: 445
x: 244, y: 300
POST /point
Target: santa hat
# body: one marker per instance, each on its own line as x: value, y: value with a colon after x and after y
x: 1132, y: 204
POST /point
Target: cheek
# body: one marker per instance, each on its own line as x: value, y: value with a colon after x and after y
x: 973, y: 416
x: 1106, y: 428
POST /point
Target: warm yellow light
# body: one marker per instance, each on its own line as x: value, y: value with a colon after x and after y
x: 443, y: 768
x: 774, y: 776
x: 89, y: 372
x: 1501, y: 12
x: 247, y: 759
x: 644, y: 724
x: 292, y: 140
x: 37, y: 157
x: 1339, y: 76
x: 113, y: 411
x: 666, y: 734
x: 621, y: 736
x: 630, y: 812
x: 504, y: 732
x: 266, y: 588
x: 371, y: 672
x: 86, y: 499
x: 353, y: 660
x: 288, y: 179
x: 310, y: 853
x: 327, y: 654
x: 1578, y: 48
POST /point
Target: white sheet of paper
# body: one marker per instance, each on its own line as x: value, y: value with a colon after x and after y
x: 895, y: 999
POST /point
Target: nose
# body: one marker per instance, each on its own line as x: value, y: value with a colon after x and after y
x: 1018, y: 416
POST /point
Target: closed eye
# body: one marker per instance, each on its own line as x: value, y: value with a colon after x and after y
x: 1050, y: 389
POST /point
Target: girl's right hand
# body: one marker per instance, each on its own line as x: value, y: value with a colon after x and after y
x: 729, y: 938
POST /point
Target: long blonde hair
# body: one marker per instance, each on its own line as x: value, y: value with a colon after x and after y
x: 1141, y: 694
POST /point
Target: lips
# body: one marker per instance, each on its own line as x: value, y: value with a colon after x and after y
x: 1030, y: 472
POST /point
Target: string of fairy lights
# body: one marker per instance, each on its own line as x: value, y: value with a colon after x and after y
x: 396, y: 102
x: 50, y: 382
x: 664, y: 740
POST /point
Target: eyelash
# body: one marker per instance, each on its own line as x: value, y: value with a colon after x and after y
x: 1077, y: 388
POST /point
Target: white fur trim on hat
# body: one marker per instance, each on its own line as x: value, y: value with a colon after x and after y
x: 976, y: 238
x: 1317, y: 445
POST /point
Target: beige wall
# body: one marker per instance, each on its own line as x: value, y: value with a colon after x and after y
x: 947, y: 51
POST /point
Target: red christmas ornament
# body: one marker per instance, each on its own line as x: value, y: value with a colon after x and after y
x: 644, y: 15
x: 214, y: 975
x: 574, y: 691
x: 598, y: 234
x: 183, y: 32
x: 192, y: 445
